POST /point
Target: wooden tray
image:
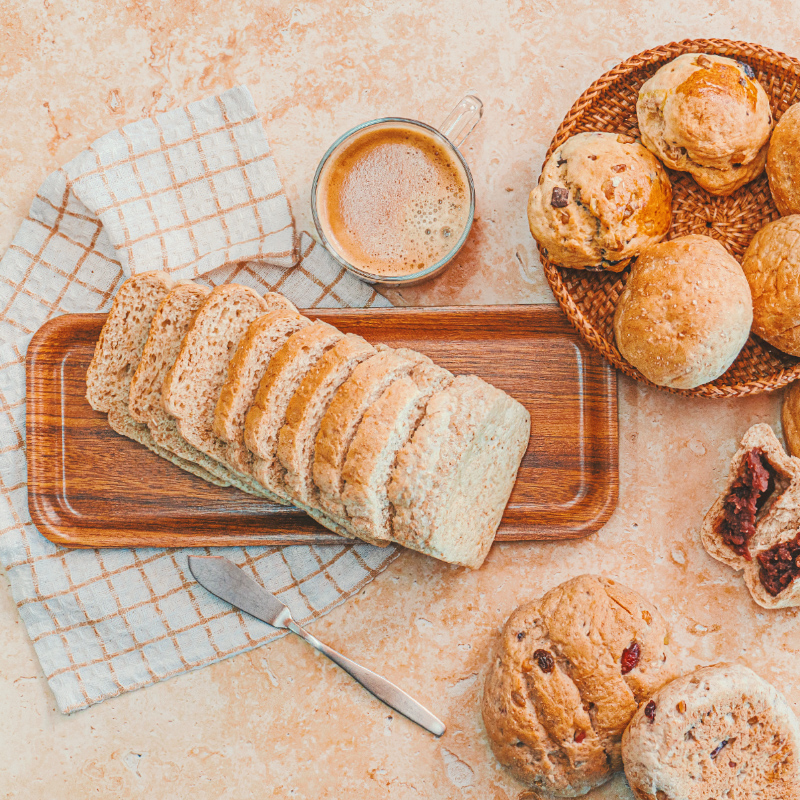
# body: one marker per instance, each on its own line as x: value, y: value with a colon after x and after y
x: 90, y: 487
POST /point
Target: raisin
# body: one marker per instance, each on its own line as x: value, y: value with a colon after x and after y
x: 580, y: 736
x: 718, y: 749
x: 544, y: 660
x: 619, y: 168
x: 518, y: 698
x: 748, y: 70
x: 681, y: 707
x: 650, y: 711
x: 630, y: 657
x: 560, y: 197
x: 520, y: 636
x: 731, y: 764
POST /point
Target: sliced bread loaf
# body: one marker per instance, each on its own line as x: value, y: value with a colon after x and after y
x: 117, y: 355
x: 305, y: 411
x: 193, y: 385
x: 453, y: 478
x: 365, y: 385
x: 387, y: 425
x: 283, y: 376
x: 171, y: 322
x: 264, y: 338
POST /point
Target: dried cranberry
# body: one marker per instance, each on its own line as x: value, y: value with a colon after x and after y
x: 544, y: 660
x: 716, y: 751
x: 580, y: 736
x: 630, y: 657
x: 650, y: 711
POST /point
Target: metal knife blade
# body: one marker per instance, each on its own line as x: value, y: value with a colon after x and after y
x: 227, y: 581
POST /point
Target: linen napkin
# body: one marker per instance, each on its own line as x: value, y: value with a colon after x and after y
x: 194, y: 192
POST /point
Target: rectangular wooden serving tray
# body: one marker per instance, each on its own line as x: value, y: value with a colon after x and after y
x: 90, y: 487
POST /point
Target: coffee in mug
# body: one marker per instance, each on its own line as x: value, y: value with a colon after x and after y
x: 393, y: 200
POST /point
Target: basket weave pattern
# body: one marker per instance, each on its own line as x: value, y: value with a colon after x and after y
x: 590, y: 298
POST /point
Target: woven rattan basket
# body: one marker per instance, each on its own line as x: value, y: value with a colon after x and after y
x: 589, y: 298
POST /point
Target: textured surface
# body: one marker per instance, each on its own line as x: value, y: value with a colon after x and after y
x: 70, y: 74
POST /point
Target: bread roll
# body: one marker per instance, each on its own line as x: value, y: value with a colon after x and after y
x: 771, y: 265
x: 783, y: 162
x: 570, y: 672
x: 601, y: 198
x: 709, y: 116
x: 685, y: 312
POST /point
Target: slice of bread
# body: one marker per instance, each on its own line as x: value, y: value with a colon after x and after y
x: 387, y: 425
x: 453, y: 478
x: 117, y: 355
x: 283, y: 376
x: 193, y: 385
x: 170, y: 324
x: 367, y: 383
x: 264, y: 338
x: 305, y: 411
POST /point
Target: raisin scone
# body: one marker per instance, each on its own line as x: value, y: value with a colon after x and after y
x: 707, y: 115
x: 718, y: 732
x: 570, y: 672
x: 754, y: 523
x: 601, y: 199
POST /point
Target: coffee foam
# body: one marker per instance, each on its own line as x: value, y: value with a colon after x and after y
x: 394, y: 201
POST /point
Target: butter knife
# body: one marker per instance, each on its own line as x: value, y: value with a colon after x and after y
x: 230, y: 583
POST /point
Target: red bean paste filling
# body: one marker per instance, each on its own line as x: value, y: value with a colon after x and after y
x: 752, y: 487
x: 780, y: 565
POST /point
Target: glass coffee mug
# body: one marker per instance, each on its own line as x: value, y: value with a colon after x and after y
x: 393, y: 199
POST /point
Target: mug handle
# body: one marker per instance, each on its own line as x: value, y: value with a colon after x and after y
x: 462, y: 119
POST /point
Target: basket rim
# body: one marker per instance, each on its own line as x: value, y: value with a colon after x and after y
x: 584, y: 326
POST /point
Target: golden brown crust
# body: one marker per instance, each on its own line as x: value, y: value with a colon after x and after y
x: 601, y: 199
x: 685, y: 312
x: 707, y: 115
x: 556, y: 700
x: 771, y: 265
x: 783, y: 162
x: 790, y: 418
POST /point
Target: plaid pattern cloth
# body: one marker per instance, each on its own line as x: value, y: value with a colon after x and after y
x: 194, y: 192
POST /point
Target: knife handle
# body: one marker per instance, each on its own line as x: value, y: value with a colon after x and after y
x: 384, y: 690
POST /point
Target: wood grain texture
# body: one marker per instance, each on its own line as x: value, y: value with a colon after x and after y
x: 90, y: 487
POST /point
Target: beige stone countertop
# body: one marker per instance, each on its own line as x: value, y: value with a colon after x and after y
x: 283, y: 721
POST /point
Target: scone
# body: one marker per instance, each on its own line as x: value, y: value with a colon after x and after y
x: 718, y: 732
x: 685, y: 312
x: 771, y: 265
x: 570, y: 672
x: 783, y: 162
x: 601, y: 198
x: 754, y: 523
x: 709, y: 116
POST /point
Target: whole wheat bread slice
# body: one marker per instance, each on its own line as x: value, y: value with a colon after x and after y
x: 453, y: 478
x: 365, y: 385
x: 387, y: 425
x: 283, y: 376
x: 308, y: 405
x: 170, y: 324
x: 264, y: 338
x: 117, y: 355
x: 193, y: 385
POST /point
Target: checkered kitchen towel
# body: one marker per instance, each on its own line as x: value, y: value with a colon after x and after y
x: 194, y: 192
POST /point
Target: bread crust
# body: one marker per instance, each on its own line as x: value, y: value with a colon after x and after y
x: 685, y: 312
x: 616, y: 199
x: 783, y: 162
x: 558, y: 725
x: 771, y: 265
x: 709, y: 116
x: 720, y: 731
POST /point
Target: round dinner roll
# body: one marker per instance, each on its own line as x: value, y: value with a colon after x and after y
x: 783, y: 162
x: 709, y: 116
x: 569, y: 673
x: 685, y: 312
x: 601, y: 198
x: 771, y: 265
x: 718, y: 732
